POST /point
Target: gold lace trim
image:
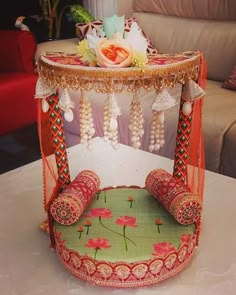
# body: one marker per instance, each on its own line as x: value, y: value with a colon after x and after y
x: 107, y: 80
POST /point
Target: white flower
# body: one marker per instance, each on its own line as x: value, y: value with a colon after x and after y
x: 93, y: 39
x: 136, y: 40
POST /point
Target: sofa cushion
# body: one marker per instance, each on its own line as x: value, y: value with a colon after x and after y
x: 82, y: 29
x: 231, y: 82
x: 228, y: 166
x: 219, y: 114
x: 17, y: 51
x: 216, y: 39
x: 18, y: 106
x: 201, y: 9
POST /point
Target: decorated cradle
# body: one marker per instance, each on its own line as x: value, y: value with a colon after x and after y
x: 124, y: 235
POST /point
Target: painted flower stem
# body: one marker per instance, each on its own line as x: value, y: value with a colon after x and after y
x: 122, y: 235
x: 80, y: 231
x: 87, y: 224
x: 105, y: 197
x: 130, y: 200
x: 98, y: 244
x: 126, y: 246
x: 158, y: 224
x: 96, y: 251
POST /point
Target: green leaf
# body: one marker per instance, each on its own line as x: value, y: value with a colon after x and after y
x: 81, y: 14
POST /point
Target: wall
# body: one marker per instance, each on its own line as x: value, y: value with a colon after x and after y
x: 124, y: 7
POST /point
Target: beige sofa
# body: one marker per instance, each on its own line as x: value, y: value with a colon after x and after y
x: 171, y: 34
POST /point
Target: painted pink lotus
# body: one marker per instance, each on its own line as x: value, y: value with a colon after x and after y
x: 126, y: 221
x: 158, y: 221
x: 163, y: 249
x: 80, y: 229
x: 100, y: 212
x: 99, y: 243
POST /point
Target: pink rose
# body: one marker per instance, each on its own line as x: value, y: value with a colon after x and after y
x: 115, y: 52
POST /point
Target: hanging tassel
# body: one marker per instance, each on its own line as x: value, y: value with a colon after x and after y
x: 162, y: 102
x: 65, y: 103
x: 43, y: 90
x: 87, y: 129
x: 191, y: 92
x: 136, y: 122
x: 106, y: 119
x: 110, y: 125
x: 157, y: 137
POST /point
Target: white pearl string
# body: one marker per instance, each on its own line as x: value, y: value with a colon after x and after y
x: 110, y: 123
x: 87, y: 129
x: 136, y: 122
x: 157, y: 133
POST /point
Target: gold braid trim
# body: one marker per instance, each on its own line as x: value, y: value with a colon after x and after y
x: 108, y: 80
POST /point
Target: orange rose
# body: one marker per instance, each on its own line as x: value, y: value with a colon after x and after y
x: 114, y: 52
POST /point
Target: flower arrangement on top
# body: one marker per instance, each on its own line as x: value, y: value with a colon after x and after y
x: 113, y: 47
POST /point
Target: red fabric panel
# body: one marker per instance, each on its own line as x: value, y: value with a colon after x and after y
x: 17, y: 51
x: 18, y: 106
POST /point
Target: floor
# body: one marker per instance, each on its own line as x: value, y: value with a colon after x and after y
x: 19, y: 148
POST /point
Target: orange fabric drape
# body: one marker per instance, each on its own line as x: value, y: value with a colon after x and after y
x: 196, y: 154
x: 51, y: 185
x: 50, y: 175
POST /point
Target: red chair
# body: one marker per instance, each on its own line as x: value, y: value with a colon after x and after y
x: 17, y: 80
